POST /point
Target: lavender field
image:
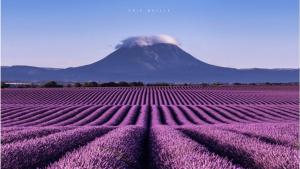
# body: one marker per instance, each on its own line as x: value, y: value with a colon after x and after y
x: 176, y: 127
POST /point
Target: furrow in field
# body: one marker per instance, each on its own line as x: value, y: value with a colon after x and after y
x: 92, y: 116
x: 131, y: 117
x: 273, y: 113
x: 29, y: 133
x: 184, y: 117
x: 215, y: 115
x: 145, y: 117
x: 83, y: 114
x: 157, y: 117
x: 64, y: 117
x: 207, y: 118
x: 260, y: 113
x: 18, y: 113
x: 251, y: 114
x: 170, y: 117
x: 244, y: 116
x: 105, y: 116
x: 286, y: 134
x: 195, y: 118
x: 40, y: 119
x: 282, y: 111
x: 32, y: 116
x: 227, y: 115
x: 118, y: 116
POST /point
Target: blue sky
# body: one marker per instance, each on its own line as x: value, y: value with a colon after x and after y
x: 233, y: 33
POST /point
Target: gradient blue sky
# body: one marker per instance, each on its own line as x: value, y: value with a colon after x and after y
x: 234, y: 33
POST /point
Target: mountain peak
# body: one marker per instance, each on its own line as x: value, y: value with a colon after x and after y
x: 149, y: 59
x: 154, y: 57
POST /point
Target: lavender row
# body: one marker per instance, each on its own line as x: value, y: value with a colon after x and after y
x: 171, y: 149
x: 146, y: 115
x: 29, y: 133
x: 259, y: 145
x: 121, y: 148
x: 39, y: 152
x: 280, y: 134
x: 150, y: 96
x: 248, y: 152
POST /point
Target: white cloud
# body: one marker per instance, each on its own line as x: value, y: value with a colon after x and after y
x: 146, y: 41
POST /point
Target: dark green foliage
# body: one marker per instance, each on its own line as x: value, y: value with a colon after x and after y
x: 4, y: 85
x: 90, y: 84
x: 77, y: 85
x: 52, y: 84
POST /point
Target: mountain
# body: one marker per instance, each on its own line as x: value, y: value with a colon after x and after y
x: 159, y: 62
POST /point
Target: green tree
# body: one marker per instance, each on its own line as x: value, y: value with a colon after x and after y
x: 52, y: 84
x: 90, y: 84
x: 4, y: 85
x: 78, y: 84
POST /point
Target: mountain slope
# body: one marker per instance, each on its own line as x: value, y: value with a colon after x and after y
x: 155, y: 63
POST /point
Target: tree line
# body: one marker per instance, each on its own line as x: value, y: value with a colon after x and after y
x: 54, y: 84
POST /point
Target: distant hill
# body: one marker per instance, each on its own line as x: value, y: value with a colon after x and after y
x: 160, y: 62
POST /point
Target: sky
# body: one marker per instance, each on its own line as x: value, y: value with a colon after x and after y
x: 231, y: 33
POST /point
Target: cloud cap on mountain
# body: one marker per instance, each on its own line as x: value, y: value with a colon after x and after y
x: 146, y: 41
